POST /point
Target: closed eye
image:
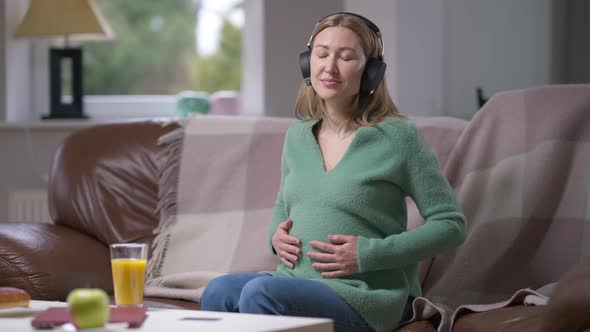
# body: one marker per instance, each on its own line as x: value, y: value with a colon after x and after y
x: 321, y: 53
x: 347, y: 56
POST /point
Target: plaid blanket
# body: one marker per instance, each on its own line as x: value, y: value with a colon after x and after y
x: 216, y: 198
x: 520, y: 171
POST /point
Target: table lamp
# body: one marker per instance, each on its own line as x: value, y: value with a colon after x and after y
x: 79, y: 19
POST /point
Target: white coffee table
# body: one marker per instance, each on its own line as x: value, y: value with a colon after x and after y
x: 18, y: 320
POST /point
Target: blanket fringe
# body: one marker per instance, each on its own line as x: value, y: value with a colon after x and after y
x: 168, y: 159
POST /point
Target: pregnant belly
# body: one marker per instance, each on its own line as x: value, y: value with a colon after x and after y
x: 318, y: 229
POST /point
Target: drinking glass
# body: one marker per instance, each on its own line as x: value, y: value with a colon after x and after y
x: 128, y: 263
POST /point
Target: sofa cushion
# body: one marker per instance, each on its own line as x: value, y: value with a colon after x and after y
x: 164, y: 303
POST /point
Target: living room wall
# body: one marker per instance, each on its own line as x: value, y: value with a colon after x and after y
x: 27, y: 151
x: 438, y: 52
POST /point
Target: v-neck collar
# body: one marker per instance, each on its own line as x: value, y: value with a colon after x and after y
x: 320, y: 155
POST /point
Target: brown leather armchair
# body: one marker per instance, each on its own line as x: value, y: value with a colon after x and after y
x: 103, y: 189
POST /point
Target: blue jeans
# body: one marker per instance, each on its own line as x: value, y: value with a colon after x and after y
x: 258, y: 293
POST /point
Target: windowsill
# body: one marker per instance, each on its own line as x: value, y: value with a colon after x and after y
x: 103, y: 109
x: 112, y: 109
x: 49, y: 125
x: 109, y: 108
x: 46, y: 124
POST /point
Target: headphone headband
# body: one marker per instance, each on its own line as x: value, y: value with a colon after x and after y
x: 368, y: 22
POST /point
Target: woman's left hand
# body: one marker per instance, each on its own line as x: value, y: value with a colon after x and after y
x: 339, y: 258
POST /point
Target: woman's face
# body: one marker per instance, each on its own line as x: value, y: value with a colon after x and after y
x: 337, y: 63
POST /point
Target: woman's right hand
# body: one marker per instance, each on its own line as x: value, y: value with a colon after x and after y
x: 285, y: 245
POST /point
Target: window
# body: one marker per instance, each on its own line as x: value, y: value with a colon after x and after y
x: 160, y: 49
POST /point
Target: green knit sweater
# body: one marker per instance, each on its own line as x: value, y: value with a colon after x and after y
x: 364, y: 195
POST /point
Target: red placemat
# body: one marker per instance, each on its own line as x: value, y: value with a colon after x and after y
x: 56, y: 316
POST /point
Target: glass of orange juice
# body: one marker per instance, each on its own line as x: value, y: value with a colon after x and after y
x: 128, y: 262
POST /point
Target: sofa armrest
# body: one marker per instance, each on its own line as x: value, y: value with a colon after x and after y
x: 48, y: 260
x: 569, y: 304
x: 508, y: 319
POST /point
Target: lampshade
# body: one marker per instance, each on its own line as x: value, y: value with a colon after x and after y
x: 78, y: 18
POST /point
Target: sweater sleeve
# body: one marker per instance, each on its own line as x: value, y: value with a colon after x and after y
x: 279, y: 214
x: 445, y: 228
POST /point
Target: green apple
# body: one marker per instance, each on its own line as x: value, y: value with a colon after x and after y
x: 89, y: 307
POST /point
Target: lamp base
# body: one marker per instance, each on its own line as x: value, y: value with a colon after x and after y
x: 59, y: 109
x: 62, y: 116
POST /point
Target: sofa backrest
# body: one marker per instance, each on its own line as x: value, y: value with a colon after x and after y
x: 103, y: 181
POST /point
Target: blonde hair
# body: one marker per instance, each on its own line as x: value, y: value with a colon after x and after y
x: 368, y: 110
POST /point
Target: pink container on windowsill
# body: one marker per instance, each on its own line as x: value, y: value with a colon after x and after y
x: 226, y: 103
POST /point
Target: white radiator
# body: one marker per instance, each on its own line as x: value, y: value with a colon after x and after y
x: 28, y: 206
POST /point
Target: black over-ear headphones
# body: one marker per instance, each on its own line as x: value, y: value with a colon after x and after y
x: 374, y: 69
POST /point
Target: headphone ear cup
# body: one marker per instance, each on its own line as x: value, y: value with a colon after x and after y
x: 305, y: 66
x: 372, y: 75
